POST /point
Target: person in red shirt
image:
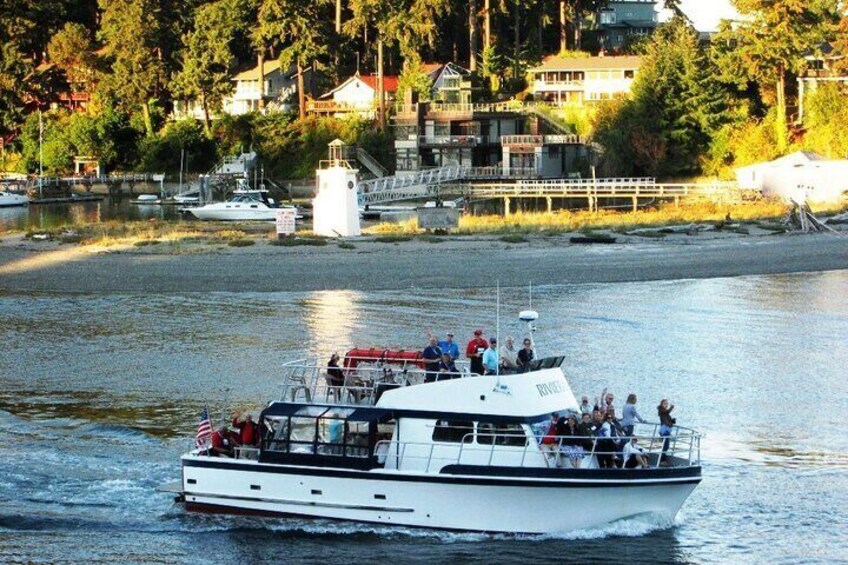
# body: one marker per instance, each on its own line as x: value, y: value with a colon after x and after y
x: 221, y: 442
x: 247, y: 430
x: 475, y: 350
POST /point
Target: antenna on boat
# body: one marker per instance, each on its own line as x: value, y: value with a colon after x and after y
x: 498, y: 386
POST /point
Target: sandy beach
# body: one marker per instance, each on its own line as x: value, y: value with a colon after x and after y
x: 454, y: 262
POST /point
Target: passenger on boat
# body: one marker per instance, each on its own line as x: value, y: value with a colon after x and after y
x: 335, y: 372
x: 490, y: 357
x: 508, y: 357
x: 585, y: 407
x: 604, y: 401
x: 222, y: 442
x: 525, y: 356
x: 474, y: 351
x: 604, y: 445
x: 550, y: 442
x: 248, y: 430
x: 634, y: 455
x: 571, y: 445
x: 447, y: 368
x: 666, y: 424
x: 449, y: 346
x: 432, y: 355
x: 629, y: 416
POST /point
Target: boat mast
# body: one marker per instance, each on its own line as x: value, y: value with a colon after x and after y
x: 40, y: 155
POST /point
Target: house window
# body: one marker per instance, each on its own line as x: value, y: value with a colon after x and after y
x: 607, y: 17
x: 629, y: 74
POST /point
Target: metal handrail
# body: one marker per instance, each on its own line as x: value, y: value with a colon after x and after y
x: 681, y: 435
x: 360, y: 385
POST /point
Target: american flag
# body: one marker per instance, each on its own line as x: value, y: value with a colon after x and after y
x: 204, y: 430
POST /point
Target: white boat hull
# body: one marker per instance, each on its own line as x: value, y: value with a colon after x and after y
x: 10, y: 199
x: 233, y: 213
x: 437, y: 501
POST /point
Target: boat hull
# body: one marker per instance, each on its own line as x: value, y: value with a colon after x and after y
x: 9, y: 200
x: 232, y: 214
x: 549, y: 500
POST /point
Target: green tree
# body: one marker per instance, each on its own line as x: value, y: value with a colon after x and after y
x: 841, y: 45
x: 411, y: 23
x: 132, y: 30
x: 12, y: 72
x: 825, y: 118
x: 301, y: 30
x: 768, y: 42
x: 207, y: 59
x: 675, y: 109
x: 72, y: 51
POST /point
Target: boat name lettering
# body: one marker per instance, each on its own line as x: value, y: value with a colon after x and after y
x: 552, y: 387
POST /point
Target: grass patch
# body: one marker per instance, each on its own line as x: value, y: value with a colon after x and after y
x: 346, y: 245
x: 513, y: 238
x: 298, y: 241
x: 392, y: 238
x: 71, y: 238
x: 241, y: 242
x: 566, y: 221
x: 145, y: 242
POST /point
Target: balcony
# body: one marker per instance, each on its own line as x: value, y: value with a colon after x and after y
x: 449, y: 141
x: 333, y: 107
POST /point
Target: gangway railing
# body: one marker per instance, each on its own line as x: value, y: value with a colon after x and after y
x: 408, y: 187
x: 370, y: 163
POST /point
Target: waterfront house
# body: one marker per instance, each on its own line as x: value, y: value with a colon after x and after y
x: 355, y: 96
x: 452, y: 84
x: 579, y: 81
x: 619, y: 20
x: 278, y: 92
x: 818, y: 70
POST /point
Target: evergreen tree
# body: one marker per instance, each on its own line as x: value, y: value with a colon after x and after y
x: 207, y: 59
x: 72, y: 51
x: 132, y: 30
x: 12, y: 72
x: 301, y: 30
x: 769, y: 40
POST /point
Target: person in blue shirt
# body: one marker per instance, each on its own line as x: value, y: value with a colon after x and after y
x: 490, y: 357
x: 448, y: 346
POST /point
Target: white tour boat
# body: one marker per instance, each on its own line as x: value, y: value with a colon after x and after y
x: 466, y: 453
x: 12, y: 199
x: 244, y: 205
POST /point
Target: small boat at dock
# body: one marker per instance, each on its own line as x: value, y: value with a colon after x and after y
x: 12, y: 199
x: 244, y: 205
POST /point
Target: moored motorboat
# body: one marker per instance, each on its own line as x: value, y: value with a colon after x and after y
x: 13, y: 199
x: 372, y: 441
x: 244, y: 205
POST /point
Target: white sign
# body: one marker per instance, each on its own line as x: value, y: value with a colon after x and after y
x: 285, y: 221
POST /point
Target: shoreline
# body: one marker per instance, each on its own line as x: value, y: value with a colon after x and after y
x: 368, y: 264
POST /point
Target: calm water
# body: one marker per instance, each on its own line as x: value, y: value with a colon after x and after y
x: 99, y: 395
x: 47, y: 216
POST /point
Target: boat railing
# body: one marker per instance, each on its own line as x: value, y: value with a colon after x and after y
x: 362, y: 384
x: 683, y: 450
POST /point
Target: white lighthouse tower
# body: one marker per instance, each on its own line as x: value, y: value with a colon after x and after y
x: 336, y: 207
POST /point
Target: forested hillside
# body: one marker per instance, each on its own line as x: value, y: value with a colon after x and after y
x: 696, y: 106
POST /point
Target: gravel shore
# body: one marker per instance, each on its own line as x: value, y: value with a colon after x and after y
x: 370, y: 265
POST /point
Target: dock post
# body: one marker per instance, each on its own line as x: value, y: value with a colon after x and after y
x: 635, y: 203
x: 591, y: 204
x: 506, y: 206
x: 676, y: 201
x: 550, y: 204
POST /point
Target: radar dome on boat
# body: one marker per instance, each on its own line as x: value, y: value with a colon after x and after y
x: 528, y: 315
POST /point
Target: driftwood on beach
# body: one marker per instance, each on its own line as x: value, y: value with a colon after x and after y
x: 800, y: 217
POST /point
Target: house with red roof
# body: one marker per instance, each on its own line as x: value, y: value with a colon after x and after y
x: 357, y: 95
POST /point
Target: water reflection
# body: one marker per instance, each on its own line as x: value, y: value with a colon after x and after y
x: 332, y: 319
x: 50, y: 216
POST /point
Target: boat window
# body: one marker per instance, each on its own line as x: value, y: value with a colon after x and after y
x: 454, y: 431
x: 356, y: 439
x: 511, y: 435
x: 302, y: 435
x: 276, y: 434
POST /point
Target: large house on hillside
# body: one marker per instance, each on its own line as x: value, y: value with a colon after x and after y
x: 585, y: 80
x: 280, y: 87
x: 618, y: 19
